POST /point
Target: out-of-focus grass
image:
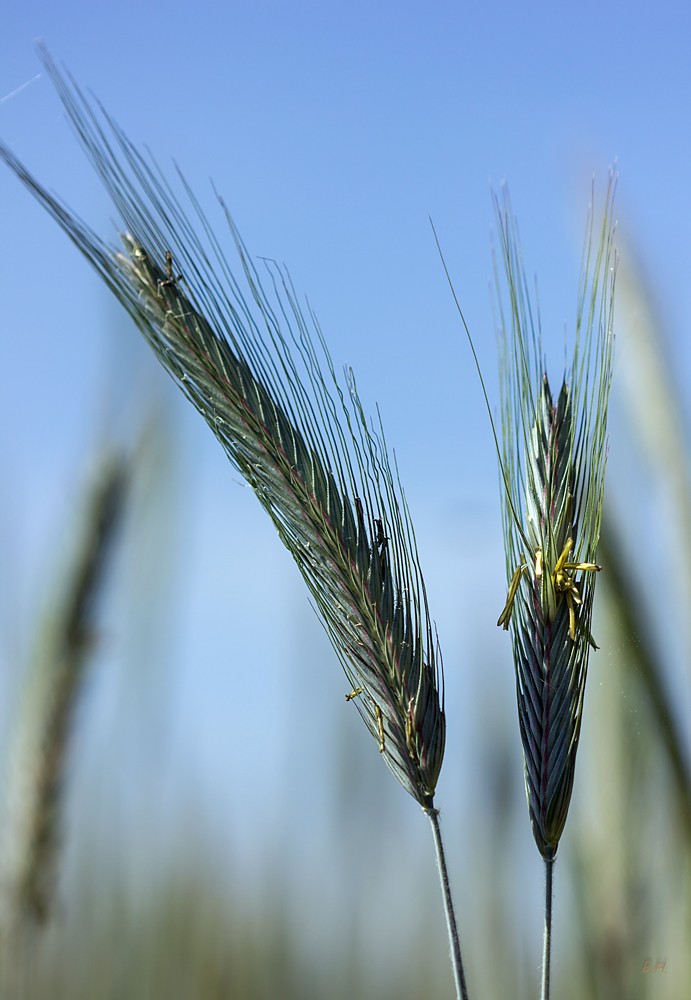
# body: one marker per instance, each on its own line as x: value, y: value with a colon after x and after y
x: 52, y: 688
x: 629, y: 847
x: 630, y: 844
x: 189, y: 940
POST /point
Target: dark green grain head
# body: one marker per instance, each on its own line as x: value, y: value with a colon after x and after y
x: 258, y: 371
x: 553, y: 465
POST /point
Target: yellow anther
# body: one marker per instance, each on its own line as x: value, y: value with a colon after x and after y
x: 353, y: 694
x: 562, y: 580
x: 410, y: 729
x: 564, y: 583
x: 572, y: 614
x: 505, y: 616
x: 592, y: 567
x: 380, y: 724
x: 561, y: 561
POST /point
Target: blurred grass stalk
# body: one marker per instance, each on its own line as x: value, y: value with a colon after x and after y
x: 656, y: 415
x: 631, y: 859
x: 32, y: 814
x: 643, y: 661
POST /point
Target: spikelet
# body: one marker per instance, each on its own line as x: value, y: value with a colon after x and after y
x: 553, y: 466
x: 319, y: 471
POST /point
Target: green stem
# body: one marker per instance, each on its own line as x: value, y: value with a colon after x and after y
x: 456, y: 961
x: 547, y: 950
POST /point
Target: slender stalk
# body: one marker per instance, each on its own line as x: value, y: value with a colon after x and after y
x: 547, y: 950
x: 456, y: 960
x: 34, y: 784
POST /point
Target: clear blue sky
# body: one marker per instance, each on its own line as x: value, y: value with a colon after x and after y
x: 333, y: 130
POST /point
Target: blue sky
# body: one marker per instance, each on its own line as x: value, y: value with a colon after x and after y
x: 333, y: 130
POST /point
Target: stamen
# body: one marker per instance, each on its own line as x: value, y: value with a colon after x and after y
x: 565, y: 584
x: 505, y: 616
x: 380, y: 724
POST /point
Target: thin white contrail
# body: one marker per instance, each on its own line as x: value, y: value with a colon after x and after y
x: 7, y: 96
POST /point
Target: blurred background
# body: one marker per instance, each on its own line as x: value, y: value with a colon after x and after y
x: 224, y: 826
